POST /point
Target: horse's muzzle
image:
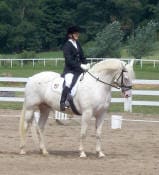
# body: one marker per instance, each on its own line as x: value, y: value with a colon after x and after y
x: 127, y: 91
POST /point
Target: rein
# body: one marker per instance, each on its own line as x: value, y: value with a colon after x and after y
x: 97, y: 79
x: 117, y: 86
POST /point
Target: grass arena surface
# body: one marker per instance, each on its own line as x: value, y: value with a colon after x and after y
x: 132, y: 150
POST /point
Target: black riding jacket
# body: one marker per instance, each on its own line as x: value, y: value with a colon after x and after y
x: 73, y: 58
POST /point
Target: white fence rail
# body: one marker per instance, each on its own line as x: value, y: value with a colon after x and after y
x: 128, y: 103
x: 11, y: 61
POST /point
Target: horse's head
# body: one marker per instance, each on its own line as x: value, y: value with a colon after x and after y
x: 121, y: 74
x: 124, y: 77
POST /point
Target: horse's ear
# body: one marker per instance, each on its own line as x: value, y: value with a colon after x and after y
x: 132, y: 62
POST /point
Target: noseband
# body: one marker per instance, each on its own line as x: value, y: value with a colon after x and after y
x: 115, y: 85
x: 122, y: 81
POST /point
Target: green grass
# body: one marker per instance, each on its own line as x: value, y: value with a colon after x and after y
x: 147, y: 72
x: 28, y: 69
x: 11, y: 105
x: 116, y: 107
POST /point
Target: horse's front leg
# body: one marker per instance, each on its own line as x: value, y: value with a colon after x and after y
x: 86, y: 116
x: 99, y: 125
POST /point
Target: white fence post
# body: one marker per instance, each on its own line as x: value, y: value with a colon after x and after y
x: 44, y: 63
x: 11, y: 63
x: 128, y: 104
x: 56, y: 62
x: 33, y: 62
x: 22, y: 63
x: 141, y: 63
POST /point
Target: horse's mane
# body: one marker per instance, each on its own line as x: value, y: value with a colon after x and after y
x: 113, y: 65
x: 108, y: 64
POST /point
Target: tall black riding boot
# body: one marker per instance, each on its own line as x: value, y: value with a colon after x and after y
x: 63, y: 98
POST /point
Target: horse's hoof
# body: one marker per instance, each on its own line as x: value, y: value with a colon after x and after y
x: 22, y: 152
x: 83, y: 155
x: 45, y: 153
x: 101, y: 155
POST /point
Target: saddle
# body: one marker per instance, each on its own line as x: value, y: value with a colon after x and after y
x: 58, y: 85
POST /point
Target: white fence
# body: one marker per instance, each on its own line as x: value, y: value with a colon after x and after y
x: 11, y: 61
x: 128, y: 102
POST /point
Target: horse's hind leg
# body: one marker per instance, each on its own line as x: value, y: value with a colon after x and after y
x: 44, y: 112
x: 25, y: 121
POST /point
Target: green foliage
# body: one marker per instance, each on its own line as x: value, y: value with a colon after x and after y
x: 5, y: 13
x: 21, y: 19
x: 108, y: 41
x: 142, y: 42
x: 24, y: 36
x: 57, y: 17
x: 41, y: 25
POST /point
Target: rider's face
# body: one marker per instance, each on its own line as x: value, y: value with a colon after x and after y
x: 75, y: 35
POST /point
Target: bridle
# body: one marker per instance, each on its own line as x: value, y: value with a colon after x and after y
x: 115, y: 85
x: 122, y: 81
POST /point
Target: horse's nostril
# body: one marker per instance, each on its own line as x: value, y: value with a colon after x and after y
x: 126, y: 96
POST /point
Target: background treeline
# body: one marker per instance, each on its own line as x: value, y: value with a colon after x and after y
x: 40, y: 25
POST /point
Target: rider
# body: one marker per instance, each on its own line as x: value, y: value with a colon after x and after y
x: 75, y: 63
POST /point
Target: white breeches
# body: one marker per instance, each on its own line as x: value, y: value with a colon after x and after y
x: 68, y: 79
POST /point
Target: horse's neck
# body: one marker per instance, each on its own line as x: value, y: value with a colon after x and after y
x: 105, y: 76
x: 92, y: 88
x: 100, y: 81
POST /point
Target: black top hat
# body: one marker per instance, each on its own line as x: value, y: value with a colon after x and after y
x: 72, y: 30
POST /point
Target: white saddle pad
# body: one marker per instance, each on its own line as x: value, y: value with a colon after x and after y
x: 57, y: 85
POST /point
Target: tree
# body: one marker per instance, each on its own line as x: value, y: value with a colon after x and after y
x: 41, y: 24
x: 5, y: 24
x: 108, y: 41
x: 19, y: 25
x: 54, y: 23
x: 142, y: 42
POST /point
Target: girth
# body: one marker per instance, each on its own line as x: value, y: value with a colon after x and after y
x: 72, y: 105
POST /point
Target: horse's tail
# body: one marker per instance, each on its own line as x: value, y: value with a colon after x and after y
x: 21, y: 125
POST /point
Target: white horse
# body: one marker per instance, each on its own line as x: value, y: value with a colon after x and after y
x: 92, y: 99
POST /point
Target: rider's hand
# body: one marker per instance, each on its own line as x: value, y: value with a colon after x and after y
x: 85, y: 67
x: 88, y: 65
